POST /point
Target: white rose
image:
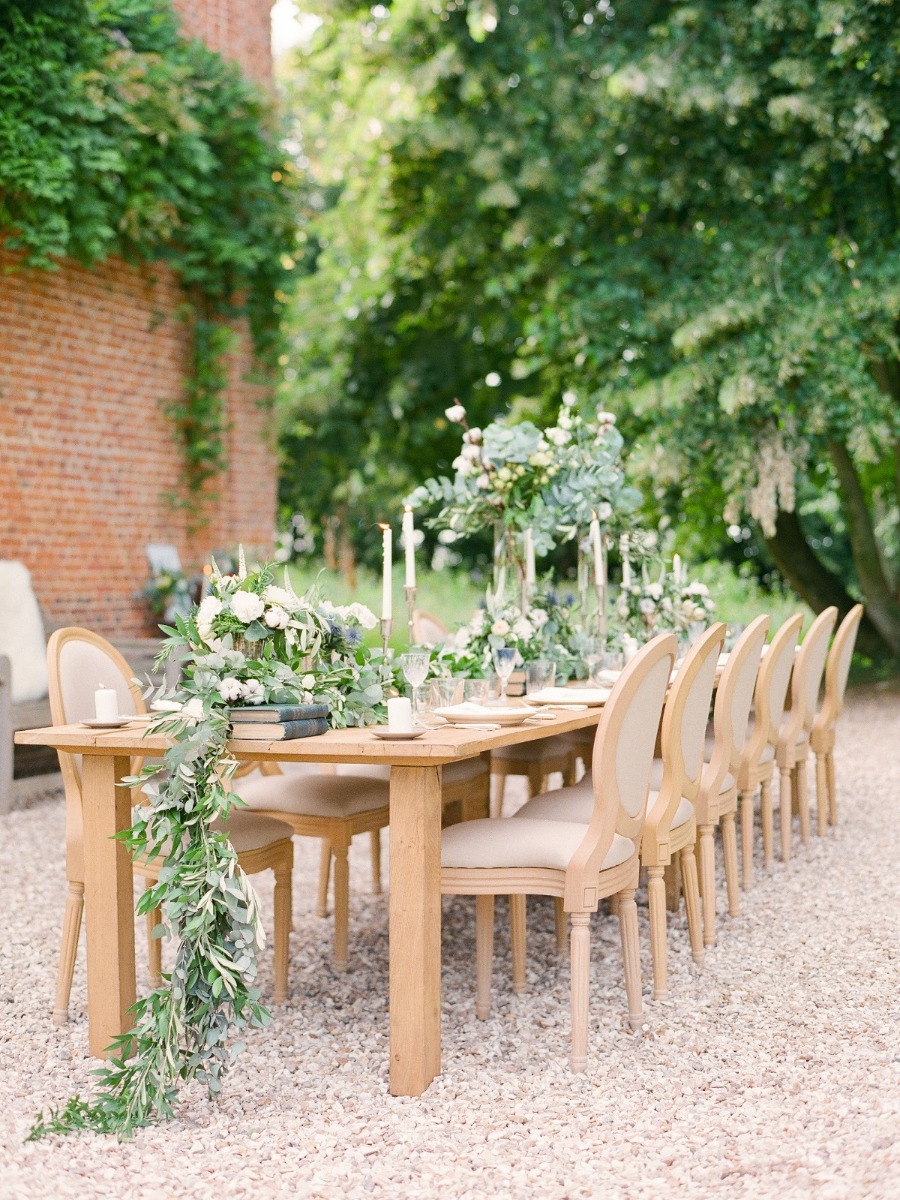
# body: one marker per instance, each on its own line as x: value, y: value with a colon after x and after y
x: 604, y: 511
x: 565, y: 421
x: 655, y: 590
x: 308, y: 682
x: 280, y: 596
x: 276, y: 617
x: 523, y: 629
x: 462, y: 639
x: 231, y: 689
x: 455, y: 413
x: 462, y: 466
x: 252, y: 692
x: 646, y: 607
x: 569, y: 398
x: 210, y: 607
x: 538, y: 618
x: 247, y: 606
x: 559, y: 437
x: 364, y: 616
x: 500, y: 627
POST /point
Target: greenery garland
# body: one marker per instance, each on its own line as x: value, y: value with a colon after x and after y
x: 118, y: 136
x: 248, y: 642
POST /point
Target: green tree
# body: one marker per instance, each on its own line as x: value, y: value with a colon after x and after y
x: 688, y: 211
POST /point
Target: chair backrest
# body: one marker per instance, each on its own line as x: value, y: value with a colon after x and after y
x: 79, y: 662
x: 837, y: 667
x: 623, y: 754
x: 808, y: 670
x: 683, y: 737
x: 428, y: 630
x: 22, y: 633
x: 771, y: 689
x: 733, y: 700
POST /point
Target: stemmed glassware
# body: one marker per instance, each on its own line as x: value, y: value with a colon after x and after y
x: 415, y: 669
x: 504, y: 664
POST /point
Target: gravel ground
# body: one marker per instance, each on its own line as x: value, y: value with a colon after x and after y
x: 775, y: 1073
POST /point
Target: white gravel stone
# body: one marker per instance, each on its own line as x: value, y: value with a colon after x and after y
x: 774, y: 1073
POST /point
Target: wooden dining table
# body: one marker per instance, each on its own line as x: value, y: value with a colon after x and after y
x: 415, y: 864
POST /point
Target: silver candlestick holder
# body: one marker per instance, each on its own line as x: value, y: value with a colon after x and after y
x: 385, y: 627
x: 601, y: 615
x: 410, y: 593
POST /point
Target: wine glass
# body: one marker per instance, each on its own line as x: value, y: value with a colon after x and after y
x: 415, y: 668
x: 504, y: 664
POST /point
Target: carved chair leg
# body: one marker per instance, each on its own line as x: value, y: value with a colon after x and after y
x: 821, y: 796
x: 786, y: 804
x: 730, y: 856
x: 484, y: 955
x: 570, y: 774
x: 537, y: 780
x: 803, y: 800
x: 580, y: 958
x: 656, y: 895
x: 708, y: 882
x: 832, y: 788
x: 692, y: 903
x: 375, y: 847
x: 324, y: 872
x: 341, y: 905
x: 746, y: 838
x: 631, y: 958
x: 560, y: 922
x: 767, y: 821
x: 672, y: 877
x: 154, y: 945
x: 68, y: 949
x: 517, y: 937
x: 282, y: 937
x: 498, y: 790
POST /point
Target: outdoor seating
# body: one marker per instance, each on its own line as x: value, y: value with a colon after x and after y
x: 580, y: 863
x: 822, y: 735
x: 77, y: 660
x: 792, y: 746
x: 716, y: 802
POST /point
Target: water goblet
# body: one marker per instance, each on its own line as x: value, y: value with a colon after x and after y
x: 504, y: 664
x: 415, y: 669
x: 539, y: 674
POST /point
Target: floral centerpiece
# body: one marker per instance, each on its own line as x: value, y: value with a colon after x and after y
x: 646, y: 607
x: 249, y: 642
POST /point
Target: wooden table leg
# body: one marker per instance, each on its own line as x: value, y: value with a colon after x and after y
x: 415, y: 929
x: 108, y: 899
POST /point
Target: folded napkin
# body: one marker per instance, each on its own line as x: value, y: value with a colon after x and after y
x: 469, y: 708
x: 571, y: 696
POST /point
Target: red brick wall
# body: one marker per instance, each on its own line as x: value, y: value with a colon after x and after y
x: 86, y: 360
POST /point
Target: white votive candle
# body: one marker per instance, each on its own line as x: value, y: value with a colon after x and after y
x: 106, y: 704
x: 387, y: 606
x: 400, y: 715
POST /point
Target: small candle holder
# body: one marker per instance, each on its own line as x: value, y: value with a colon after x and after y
x: 410, y: 593
x: 385, y: 626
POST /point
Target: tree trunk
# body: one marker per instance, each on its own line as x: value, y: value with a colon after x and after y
x: 813, y: 582
x: 881, y: 604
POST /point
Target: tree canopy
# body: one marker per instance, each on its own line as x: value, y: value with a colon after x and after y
x: 685, y: 211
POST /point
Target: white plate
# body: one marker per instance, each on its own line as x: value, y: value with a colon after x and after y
x: 476, y: 714
x: 94, y: 723
x: 388, y: 735
x: 561, y: 696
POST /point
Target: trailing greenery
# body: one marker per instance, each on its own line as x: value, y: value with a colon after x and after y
x: 248, y: 642
x: 120, y: 137
x: 687, y: 211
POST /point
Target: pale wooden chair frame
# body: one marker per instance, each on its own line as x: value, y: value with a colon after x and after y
x: 753, y: 772
x: 822, y: 736
x: 792, y: 747
x: 583, y: 884
x: 715, y: 805
x: 277, y: 856
x: 661, y: 845
x: 419, y: 620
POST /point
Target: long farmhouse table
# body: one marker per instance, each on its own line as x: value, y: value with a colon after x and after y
x: 415, y: 865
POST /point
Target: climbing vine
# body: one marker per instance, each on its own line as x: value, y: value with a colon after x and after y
x: 118, y: 136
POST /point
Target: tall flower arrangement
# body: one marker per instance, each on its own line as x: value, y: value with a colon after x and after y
x: 249, y: 642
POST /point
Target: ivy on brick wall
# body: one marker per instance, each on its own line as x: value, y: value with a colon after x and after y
x: 120, y: 137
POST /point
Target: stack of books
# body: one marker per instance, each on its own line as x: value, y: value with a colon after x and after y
x: 278, y: 722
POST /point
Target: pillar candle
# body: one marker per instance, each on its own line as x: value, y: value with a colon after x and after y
x: 387, y: 610
x: 106, y: 704
x: 409, y: 545
x: 676, y: 569
x: 400, y: 715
